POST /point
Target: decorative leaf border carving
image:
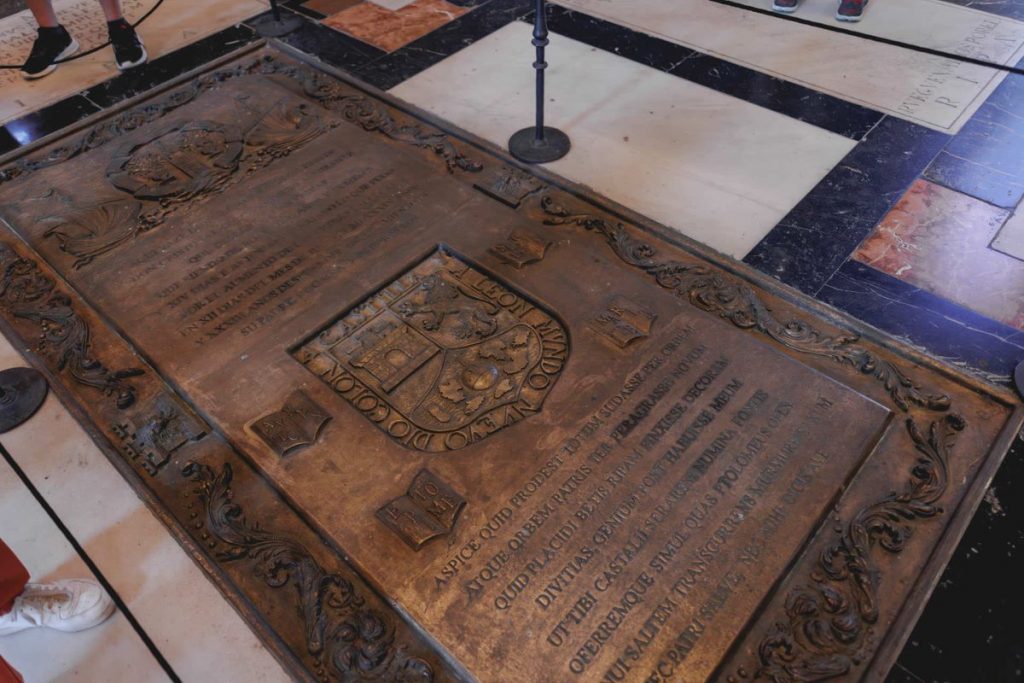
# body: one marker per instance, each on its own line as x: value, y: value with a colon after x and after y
x: 330, y: 94
x: 65, y: 337
x: 349, y: 640
x: 714, y: 292
x: 828, y: 620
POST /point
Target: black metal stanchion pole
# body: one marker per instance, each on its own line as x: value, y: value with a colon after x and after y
x: 539, y: 144
x: 276, y: 25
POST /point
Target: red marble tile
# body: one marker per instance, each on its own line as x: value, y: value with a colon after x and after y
x: 391, y: 29
x: 939, y: 240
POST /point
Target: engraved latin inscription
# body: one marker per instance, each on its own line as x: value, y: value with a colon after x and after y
x: 443, y: 357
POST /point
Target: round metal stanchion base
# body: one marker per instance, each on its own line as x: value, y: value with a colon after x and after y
x: 22, y: 391
x: 268, y: 28
x: 525, y: 146
x: 1018, y: 379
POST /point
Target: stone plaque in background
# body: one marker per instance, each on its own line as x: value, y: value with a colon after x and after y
x: 559, y: 444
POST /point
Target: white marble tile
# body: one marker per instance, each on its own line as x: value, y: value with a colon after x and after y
x: 713, y: 167
x: 393, y: 4
x: 170, y: 27
x: 932, y: 91
x: 1010, y: 239
x: 192, y: 625
x: 111, y: 651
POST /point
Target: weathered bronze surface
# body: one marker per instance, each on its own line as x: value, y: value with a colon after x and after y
x: 424, y: 415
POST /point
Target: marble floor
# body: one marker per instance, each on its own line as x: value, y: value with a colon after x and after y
x: 882, y: 180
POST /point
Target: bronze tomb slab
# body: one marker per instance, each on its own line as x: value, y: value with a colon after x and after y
x: 425, y: 415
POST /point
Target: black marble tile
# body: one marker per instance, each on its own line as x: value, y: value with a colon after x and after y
x: 970, y: 630
x: 610, y: 37
x: 820, y: 232
x: 299, y: 7
x: 1014, y: 9
x: 9, y: 7
x: 784, y: 97
x: 332, y: 47
x: 8, y: 143
x: 49, y: 119
x: 173, y: 64
x: 392, y: 69
x: 943, y: 329
x: 986, y: 159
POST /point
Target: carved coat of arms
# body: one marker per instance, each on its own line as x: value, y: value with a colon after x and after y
x: 443, y: 357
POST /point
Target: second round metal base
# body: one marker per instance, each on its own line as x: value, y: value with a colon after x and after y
x: 525, y: 146
x: 22, y: 391
x: 268, y: 28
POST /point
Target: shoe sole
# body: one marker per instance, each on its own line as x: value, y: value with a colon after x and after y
x: 71, y: 49
x: 138, y: 62
x: 852, y: 20
x: 784, y: 10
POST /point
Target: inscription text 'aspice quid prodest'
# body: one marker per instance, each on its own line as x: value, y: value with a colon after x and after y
x: 443, y: 357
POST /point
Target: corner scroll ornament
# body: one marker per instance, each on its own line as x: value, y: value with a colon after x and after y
x: 349, y: 640
x: 65, y: 335
x: 739, y: 304
x: 828, y: 619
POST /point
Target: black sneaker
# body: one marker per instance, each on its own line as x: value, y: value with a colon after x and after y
x: 129, y: 51
x: 51, y: 44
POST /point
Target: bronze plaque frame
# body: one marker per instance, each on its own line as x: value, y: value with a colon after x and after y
x: 846, y: 599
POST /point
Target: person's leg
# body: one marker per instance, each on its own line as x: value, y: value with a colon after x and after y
x: 128, y: 48
x: 43, y: 12
x: 52, y: 44
x: 111, y: 9
x: 13, y: 577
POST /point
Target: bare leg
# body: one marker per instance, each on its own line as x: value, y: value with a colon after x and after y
x: 112, y: 9
x: 43, y: 12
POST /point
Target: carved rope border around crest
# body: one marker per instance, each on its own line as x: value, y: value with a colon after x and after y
x: 830, y: 618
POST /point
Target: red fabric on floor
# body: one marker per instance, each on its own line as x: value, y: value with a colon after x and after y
x: 8, y: 674
x: 13, y: 577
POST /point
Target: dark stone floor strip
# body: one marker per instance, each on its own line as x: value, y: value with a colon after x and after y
x: 400, y: 65
x: 946, y: 330
x: 986, y: 159
x: 817, y: 236
x: 171, y: 65
x: 778, y: 95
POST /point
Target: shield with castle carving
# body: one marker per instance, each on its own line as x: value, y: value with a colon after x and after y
x: 443, y: 357
x: 177, y: 161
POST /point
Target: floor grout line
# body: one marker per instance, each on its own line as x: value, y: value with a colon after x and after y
x: 107, y: 586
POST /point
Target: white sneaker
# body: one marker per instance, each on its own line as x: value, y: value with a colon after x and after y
x: 69, y: 605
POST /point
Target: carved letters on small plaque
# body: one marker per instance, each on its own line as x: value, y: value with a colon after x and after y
x: 441, y: 358
x: 624, y: 321
x: 296, y: 424
x: 521, y: 248
x: 428, y: 509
